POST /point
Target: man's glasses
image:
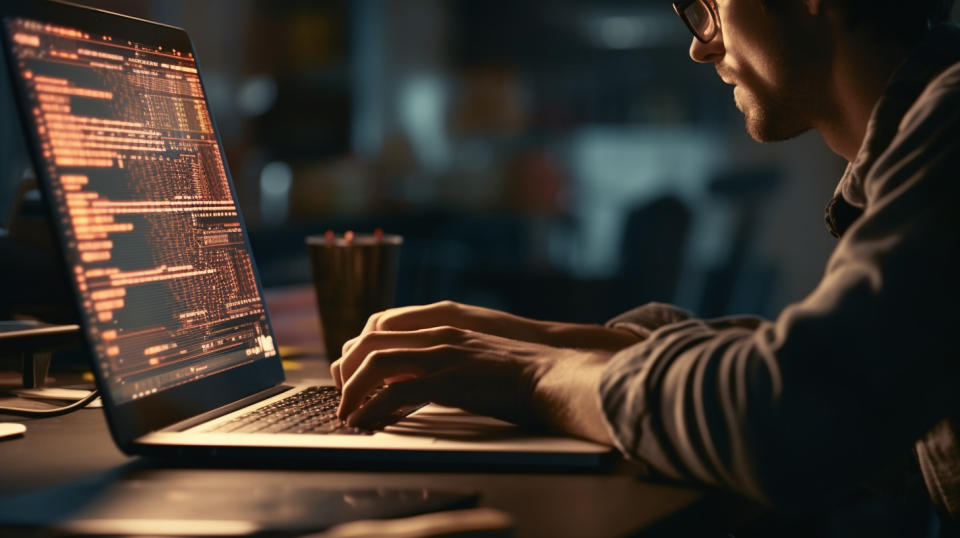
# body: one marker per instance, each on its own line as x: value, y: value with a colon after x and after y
x: 700, y: 16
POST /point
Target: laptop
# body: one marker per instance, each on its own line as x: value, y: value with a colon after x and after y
x: 144, y: 210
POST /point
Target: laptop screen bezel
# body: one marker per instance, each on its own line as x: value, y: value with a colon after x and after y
x: 130, y: 420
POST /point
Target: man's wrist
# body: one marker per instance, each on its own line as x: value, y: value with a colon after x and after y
x: 587, y: 337
x: 566, y: 396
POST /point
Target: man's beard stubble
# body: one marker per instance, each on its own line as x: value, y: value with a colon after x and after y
x: 770, y: 118
x: 773, y: 111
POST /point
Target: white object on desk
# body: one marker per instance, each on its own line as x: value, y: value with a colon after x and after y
x: 11, y: 429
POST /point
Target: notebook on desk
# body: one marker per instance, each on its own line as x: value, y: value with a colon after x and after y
x: 147, y: 220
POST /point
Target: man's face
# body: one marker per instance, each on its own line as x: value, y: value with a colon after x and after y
x: 774, y: 53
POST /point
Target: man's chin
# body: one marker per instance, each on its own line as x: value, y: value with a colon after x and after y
x: 765, y: 131
x: 757, y: 129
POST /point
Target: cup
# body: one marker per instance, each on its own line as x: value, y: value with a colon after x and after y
x: 354, y: 276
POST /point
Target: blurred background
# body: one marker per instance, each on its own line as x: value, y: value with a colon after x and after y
x: 561, y: 159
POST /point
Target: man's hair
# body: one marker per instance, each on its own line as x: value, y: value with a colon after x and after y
x: 908, y: 19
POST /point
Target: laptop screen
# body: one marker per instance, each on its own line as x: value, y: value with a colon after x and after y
x: 151, y: 228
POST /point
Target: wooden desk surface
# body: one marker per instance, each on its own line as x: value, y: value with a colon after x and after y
x: 75, y: 447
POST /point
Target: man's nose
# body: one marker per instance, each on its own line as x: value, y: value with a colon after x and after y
x: 711, y: 52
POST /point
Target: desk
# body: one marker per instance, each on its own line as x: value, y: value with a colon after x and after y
x: 59, y: 450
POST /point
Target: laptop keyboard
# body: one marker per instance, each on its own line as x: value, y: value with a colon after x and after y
x: 312, y: 411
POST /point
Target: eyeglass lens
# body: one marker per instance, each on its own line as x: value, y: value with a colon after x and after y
x: 700, y: 19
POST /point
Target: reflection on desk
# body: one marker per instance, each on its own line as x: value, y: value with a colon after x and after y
x: 128, y: 500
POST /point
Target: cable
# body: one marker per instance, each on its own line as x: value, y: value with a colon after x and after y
x: 46, y: 413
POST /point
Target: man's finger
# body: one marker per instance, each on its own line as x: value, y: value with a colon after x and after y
x: 382, y: 365
x: 412, y: 318
x: 348, y: 345
x: 335, y: 373
x: 419, y: 339
x: 392, y: 404
x: 408, y: 318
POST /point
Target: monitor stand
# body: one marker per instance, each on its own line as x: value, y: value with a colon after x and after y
x: 34, y: 342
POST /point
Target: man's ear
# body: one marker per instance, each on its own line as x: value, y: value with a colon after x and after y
x: 813, y: 6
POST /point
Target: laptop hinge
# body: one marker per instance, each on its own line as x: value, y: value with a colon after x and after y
x: 229, y: 408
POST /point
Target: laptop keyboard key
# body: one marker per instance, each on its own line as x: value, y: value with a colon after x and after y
x: 311, y: 411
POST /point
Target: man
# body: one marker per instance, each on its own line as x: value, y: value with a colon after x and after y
x: 797, y: 412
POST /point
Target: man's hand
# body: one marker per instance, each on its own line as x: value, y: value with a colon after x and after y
x: 481, y: 360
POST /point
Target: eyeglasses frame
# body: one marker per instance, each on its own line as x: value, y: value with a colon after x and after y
x: 680, y: 6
